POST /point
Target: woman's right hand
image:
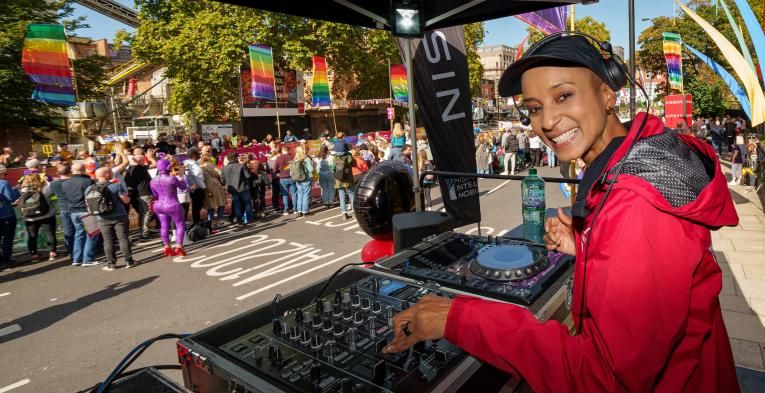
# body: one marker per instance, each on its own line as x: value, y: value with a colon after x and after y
x: 559, y: 234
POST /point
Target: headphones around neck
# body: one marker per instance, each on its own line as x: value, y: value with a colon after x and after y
x: 615, y: 69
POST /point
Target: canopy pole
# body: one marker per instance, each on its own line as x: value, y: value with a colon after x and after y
x: 632, y: 58
x: 413, y: 125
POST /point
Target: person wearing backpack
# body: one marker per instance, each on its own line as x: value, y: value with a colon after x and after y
x: 73, y: 192
x: 301, y: 172
x: 236, y: 178
x: 8, y: 196
x: 107, y: 200
x: 286, y: 184
x: 344, y: 164
x: 38, y: 212
x: 510, y: 145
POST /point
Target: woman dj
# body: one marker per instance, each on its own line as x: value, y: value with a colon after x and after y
x: 646, y: 282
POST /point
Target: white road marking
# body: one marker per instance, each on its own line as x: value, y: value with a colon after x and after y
x: 267, y: 287
x: 14, y: 386
x: 498, y: 187
x: 324, y: 219
x: 502, y: 232
x: 484, y: 231
x: 354, y: 226
x: 360, y: 233
x: 54, y: 299
x: 4, y: 294
x: 10, y: 330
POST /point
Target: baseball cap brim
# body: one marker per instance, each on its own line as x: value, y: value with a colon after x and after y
x: 570, y: 51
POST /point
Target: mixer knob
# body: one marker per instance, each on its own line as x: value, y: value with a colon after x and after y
x: 272, y: 350
x: 295, y: 334
x: 351, y: 338
x: 529, y: 271
x: 299, y: 317
x: 316, y: 374
x: 327, y: 308
x: 355, y: 300
x: 306, y: 338
x: 319, y: 306
x: 327, y: 324
x: 376, y: 307
x: 285, y: 329
x: 365, y: 303
x: 330, y: 349
x: 497, y: 274
x: 346, y: 386
x: 257, y: 354
x: 338, y: 296
x: 316, y: 320
x: 316, y: 343
x: 508, y: 274
x: 463, y: 280
x: 338, y: 330
x: 375, y: 286
x: 346, y: 298
x: 277, y: 326
x: 358, y: 318
x: 372, y: 328
x: 518, y: 273
x: 354, y: 289
x: 337, y: 310
x: 347, y: 314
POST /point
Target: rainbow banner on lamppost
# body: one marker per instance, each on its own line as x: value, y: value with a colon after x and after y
x: 398, y: 82
x: 45, y: 60
x: 673, y: 55
x: 262, y: 71
x: 320, y: 87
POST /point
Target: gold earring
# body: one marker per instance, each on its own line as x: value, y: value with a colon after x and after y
x: 610, y: 110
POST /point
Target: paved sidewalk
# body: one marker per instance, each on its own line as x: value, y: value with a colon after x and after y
x: 741, y: 253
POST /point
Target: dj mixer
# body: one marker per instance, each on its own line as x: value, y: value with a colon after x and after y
x: 332, y: 344
x: 330, y: 340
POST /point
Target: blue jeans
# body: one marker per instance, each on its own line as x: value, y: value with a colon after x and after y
x: 241, y: 202
x: 288, y: 191
x: 303, y: 196
x: 83, y: 247
x: 327, y: 183
x: 7, y: 231
x: 211, y: 215
x: 66, y: 223
x: 341, y: 193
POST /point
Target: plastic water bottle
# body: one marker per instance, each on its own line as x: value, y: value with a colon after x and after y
x: 533, y: 206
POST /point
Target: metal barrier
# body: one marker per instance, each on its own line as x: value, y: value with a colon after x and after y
x: 501, y: 177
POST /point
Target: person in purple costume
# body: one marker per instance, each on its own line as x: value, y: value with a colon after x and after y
x: 166, y: 205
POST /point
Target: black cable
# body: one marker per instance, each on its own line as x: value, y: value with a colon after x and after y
x: 332, y: 277
x: 132, y: 356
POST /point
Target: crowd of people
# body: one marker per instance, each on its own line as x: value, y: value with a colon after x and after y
x: 519, y: 149
x: 168, y: 181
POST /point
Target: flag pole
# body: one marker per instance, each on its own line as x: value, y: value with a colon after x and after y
x: 413, y: 125
x: 390, y: 94
x: 276, y: 102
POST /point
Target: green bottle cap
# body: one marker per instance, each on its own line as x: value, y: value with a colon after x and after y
x: 532, y: 171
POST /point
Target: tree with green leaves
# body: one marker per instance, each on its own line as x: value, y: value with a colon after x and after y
x: 17, y: 108
x: 710, y: 94
x: 203, y: 43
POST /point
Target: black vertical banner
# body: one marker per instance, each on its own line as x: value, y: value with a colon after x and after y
x: 442, y: 94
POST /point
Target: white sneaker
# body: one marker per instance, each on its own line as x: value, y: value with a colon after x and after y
x: 89, y: 263
x: 108, y: 268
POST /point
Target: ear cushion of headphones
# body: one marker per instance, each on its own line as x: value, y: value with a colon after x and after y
x: 617, y: 74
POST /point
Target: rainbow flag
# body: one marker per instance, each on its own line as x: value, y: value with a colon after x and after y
x: 673, y: 55
x: 398, y: 82
x: 262, y: 71
x: 320, y: 88
x: 45, y: 60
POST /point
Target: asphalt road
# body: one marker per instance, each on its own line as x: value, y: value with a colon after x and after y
x: 64, y: 328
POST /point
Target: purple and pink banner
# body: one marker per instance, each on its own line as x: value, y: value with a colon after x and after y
x: 548, y: 21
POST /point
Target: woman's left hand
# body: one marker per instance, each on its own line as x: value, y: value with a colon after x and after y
x: 426, y: 320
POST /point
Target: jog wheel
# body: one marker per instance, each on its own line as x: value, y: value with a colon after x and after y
x: 509, y: 262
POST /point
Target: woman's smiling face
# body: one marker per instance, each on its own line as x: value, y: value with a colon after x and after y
x: 567, y: 107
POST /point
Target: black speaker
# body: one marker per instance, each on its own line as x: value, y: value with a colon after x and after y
x: 148, y: 380
x: 410, y: 228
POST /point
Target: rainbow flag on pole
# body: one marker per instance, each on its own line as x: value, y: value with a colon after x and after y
x: 398, y: 82
x: 320, y: 88
x: 262, y: 71
x: 673, y: 55
x: 45, y: 60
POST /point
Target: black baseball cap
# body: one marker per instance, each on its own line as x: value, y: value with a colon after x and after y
x: 563, y: 51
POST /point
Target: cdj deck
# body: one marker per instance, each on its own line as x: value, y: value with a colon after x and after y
x: 333, y: 343
x: 510, y: 270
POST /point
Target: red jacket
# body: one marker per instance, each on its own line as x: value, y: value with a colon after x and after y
x: 652, y: 319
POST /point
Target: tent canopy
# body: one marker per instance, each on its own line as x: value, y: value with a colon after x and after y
x: 377, y: 14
